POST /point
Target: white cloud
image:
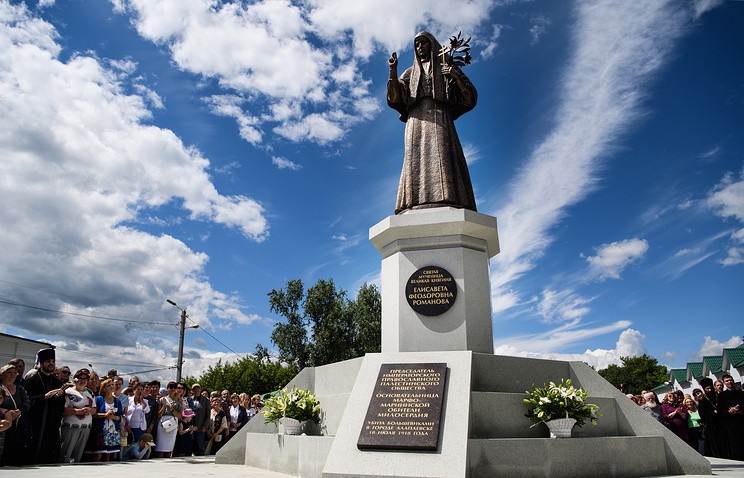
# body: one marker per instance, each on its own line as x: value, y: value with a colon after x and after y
x: 82, y: 167
x: 304, y: 54
x: 629, y: 343
x: 727, y: 197
x: 560, y: 306
x: 260, y: 50
x: 727, y: 200
x: 618, y: 47
x: 685, y: 205
x: 284, y: 163
x: 149, y: 358
x: 472, y: 152
x: 715, y: 347
x: 231, y: 107
x: 493, y: 41
x: 538, y: 28
x: 734, y: 256
x: 372, y: 25
x: 688, y: 257
x: 612, y: 258
x: 685, y: 252
x: 320, y: 127
x: 702, y: 6
x: 711, y: 154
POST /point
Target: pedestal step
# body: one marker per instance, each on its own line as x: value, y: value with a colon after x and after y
x: 567, y: 457
x: 500, y: 373
x: 501, y: 415
x: 293, y: 455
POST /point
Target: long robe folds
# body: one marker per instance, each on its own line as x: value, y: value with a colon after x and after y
x: 434, y: 173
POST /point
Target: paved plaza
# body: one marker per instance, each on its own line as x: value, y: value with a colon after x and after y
x: 205, y: 467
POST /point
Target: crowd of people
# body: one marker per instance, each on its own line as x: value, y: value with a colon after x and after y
x: 711, y: 420
x: 50, y: 415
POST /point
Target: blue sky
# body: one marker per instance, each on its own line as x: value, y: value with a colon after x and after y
x: 209, y: 152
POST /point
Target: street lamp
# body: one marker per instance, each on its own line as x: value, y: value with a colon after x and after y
x: 182, y: 327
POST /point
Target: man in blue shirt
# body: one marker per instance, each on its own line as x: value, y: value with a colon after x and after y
x: 141, y: 449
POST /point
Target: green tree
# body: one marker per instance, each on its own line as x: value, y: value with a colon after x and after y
x: 333, y: 331
x: 636, y: 374
x: 324, y: 326
x: 250, y: 374
x: 366, y: 312
x: 291, y: 336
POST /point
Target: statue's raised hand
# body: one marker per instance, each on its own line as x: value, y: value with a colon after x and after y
x: 393, y: 61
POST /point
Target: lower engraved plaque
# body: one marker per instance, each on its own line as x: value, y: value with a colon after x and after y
x: 405, y: 410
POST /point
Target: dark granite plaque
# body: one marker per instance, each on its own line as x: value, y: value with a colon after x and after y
x: 406, y: 408
x: 431, y: 291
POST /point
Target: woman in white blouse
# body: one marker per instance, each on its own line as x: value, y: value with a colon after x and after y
x: 138, y: 408
x: 77, y: 420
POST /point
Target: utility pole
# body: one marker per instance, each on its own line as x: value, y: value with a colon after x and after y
x: 182, y: 328
x: 180, y: 345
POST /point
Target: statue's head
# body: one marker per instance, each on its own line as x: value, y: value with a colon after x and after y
x: 424, y: 44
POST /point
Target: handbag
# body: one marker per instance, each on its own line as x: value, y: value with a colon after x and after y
x: 169, y: 424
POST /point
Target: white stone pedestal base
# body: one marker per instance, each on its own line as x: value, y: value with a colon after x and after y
x: 460, y: 241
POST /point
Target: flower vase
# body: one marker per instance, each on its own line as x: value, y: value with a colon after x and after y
x: 561, y: 427
x: 290, y: 426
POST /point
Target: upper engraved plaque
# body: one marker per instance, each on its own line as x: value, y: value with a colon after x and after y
x: 431, y: 291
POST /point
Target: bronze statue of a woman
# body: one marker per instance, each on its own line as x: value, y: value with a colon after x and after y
x: 430, y: 96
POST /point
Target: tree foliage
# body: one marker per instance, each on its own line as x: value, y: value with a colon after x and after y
x: 636, y: 374
x: 366, y: 311
x: 323, y: 325
x: 251, y: 374
x: 291, y: 336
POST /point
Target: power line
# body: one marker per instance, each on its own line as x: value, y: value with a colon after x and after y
x: 114, y: 357
x: 129, y: 321
x: 76, y: 314
x: 216, y: 339
x: 147, y: 371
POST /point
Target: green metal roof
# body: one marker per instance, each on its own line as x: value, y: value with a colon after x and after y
x: 735, y: 356
x: 715, y: 362
x: 695, y: 368
x: 659, y: 387
x: 679, y: 374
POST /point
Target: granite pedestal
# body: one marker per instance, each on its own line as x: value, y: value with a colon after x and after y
x: 458, y: 240
x: 483, y: 430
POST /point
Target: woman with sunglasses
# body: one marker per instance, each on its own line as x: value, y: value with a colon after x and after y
x: 104, y: 437
x: 170, y: 408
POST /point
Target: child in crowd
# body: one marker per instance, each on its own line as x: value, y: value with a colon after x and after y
x: 140, y: 450
x: 184, y: 441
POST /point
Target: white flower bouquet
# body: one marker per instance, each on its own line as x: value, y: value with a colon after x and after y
x: 551, y: 402
x: 299, y: 404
